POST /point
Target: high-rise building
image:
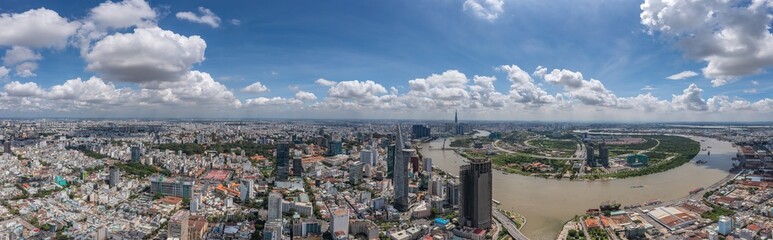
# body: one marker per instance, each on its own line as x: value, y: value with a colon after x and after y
x: 420, y: 131
x: 603, y: 154
x: 400, y: 178
x: 452, y: 193
x: 135, y: 152
x: 336, y: 148
x: 7, y: 146
x: 374, y: 157
x: 274, y: 206
x: 355, y: 173
x: 475, y: 195
x: 178, y: 225
x: 179, y: 187
x: 307, y: 227
x: 282, y: 161
x: 272, y: 230
x: 297, y: 166
x: 195, y: 202
x: 390, y: 161
x: 246, y: 187
x: 590, y: 160
x: 427, y: 164
x: 114, y: 176
x: 724, y: 225
x: 437, y: 187
x: 366, y: 157
x: 339, y: 221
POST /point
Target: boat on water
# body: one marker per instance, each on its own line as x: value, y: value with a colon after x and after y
x: 709, y: 153
x: 694, y: 191
x: 700, y: 161
x: 495, y: 201
x: 637, y: 186
x: 653, y: 202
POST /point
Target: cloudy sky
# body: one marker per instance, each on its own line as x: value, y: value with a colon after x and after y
x: 565, y: 60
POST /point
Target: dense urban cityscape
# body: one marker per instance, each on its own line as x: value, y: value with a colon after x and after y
x: 152, y: 179
x: 386, y: 120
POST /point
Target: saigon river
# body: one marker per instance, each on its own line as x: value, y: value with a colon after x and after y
x: 548, y: 203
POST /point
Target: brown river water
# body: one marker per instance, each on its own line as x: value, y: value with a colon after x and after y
x: 548, y: 203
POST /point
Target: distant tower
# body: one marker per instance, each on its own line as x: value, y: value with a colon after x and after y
x: 456, y: 117
x: 603, y: 155
x: 7, y: 146
x: 475, y: 195
x: 589, y: 158
x: 282, y: 161
x: 298, y: 166
x: 114, y: 176
x: 135, y: 151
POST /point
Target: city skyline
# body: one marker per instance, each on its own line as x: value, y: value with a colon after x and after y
x: 650, y: 61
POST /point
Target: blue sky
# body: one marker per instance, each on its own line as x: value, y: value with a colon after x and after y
x: 286, y: 46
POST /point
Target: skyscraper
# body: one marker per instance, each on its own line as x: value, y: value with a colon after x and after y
x: 603, y: 155
x: 178, y: 225
x: 274, y: 206
x: 366, y: 157
x: 400, y: 178
x: 135, y: 151
x: 114, y: 176
x: 336, y: 147
x: 590, y: 160
x: 7, y: 146
x: 245, y: 189
x: 180, y: 186
x: 298, y: 166
x: 355, y: 173
x: 282, y: 161
x: 475, y: 194
x: 420, y: 131
x: 390, y: 161
x: 339, y: 221
x: 456, y: 117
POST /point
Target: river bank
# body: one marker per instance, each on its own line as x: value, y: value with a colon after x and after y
x: 548, y: 203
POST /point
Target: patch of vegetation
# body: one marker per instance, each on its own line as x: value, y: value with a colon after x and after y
x: 680, y: 148
x: 187, y: 148
x: 87, y: 152
x: 562, y: 145
x: 141, y: 170
x: 462, y: 142
x: 717, y: 211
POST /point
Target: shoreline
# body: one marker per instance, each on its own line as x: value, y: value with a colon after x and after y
x: 583, y: 178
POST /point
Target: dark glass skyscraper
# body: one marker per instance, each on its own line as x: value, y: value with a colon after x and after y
x: 282, y: 161
x: 603, y: 155
x: 298, y: 166
x: 400, y: 177
x: 135, y: 151
x: 475, y: 194
x: 590, y: 160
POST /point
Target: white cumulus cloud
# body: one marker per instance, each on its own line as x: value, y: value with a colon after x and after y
x: 36, y: 28
x: 146, y: 55
x: 256, y: 87
x: 733, y: 37
x: 206, y: 16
